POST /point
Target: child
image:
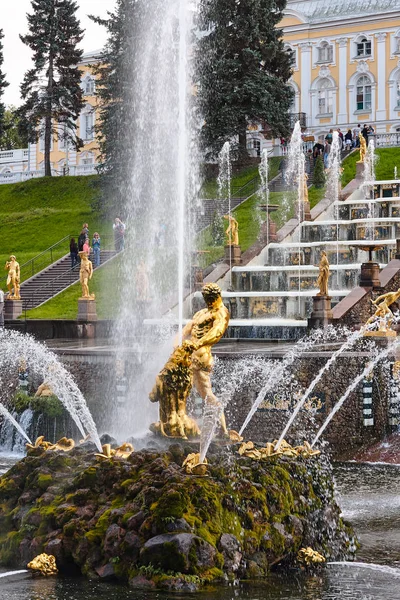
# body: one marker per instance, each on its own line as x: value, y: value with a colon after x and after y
x: 96, y: 249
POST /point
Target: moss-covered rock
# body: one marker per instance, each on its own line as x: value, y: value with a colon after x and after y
x: 152, y: 522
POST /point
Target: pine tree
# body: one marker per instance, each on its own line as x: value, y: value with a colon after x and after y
x: 51, y: 89
x: 319, y: 173
x: 115, y: 133
x: 243, y: 69
x: 3, y: 85
x: 11, y: 138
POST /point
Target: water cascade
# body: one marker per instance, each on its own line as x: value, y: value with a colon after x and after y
x: 224, y: 188
x: 367, y: 370
x: 295, y: 172
x: 263, y: 170
x: 16, y: 348
x: 161, y: 186
x: 8, y: 415
x: 348, y: 344
x: 368, y: 187
x: 333, y: 187
x: 280, y: 372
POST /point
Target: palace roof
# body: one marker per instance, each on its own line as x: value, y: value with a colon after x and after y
x: 321, y: 10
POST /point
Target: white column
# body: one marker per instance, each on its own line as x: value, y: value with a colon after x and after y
x: 305, y: 77
x: 381, y: 87
x: 342, y: 91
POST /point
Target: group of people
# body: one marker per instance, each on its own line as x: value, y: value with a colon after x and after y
x: 347, y: 141
x: 83, y: 244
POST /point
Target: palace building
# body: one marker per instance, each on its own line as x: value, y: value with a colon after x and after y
x: 346, y: 63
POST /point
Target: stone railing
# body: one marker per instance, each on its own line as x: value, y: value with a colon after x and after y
x: 15, y: 177
x: 385, y: 140
x: 14, y: 156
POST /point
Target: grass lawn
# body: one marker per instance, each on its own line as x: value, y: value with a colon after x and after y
x: 38, y: 213
x: 387, y: 160
x: 210, y: 186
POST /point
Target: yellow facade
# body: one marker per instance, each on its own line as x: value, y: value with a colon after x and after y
x: 84, y: 161
x: 346, y: 62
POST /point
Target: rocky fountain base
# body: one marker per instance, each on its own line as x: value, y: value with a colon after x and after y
x: 145, y: 521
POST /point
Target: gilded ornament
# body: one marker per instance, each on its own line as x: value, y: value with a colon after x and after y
x: 193, y: 466
x: 383, y: 316
x: 45, y: 564
x: 232, y: 232
x: 308, y: 556
x: 13, y: 278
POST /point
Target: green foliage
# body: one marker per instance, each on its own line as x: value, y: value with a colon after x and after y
x: 51, y: 89
x: 11, y: 137
x: 50, y: 406
x: 387, y: 160
x: 319, y: 173
x: 243, y: 70
x: 3, y: 85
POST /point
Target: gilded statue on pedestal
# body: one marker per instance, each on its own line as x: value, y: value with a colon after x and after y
x: 85, y: 274
x: 383, y: 315
x: 191, y: 364
x: 323, y: 277
x: 363, y: 147
x: 304, y: 188
x: 13, y: 278
x: 232, y: 232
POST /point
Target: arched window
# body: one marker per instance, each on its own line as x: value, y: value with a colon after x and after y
x: 292, y: 54
x: 88, y: 85
x: 363, y: 47
x: 325, y: 53
x: 325, y: 95
x: 87, y: 124
x: 364, y: 94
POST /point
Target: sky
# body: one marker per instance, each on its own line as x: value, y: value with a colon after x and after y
x: 17, y: 55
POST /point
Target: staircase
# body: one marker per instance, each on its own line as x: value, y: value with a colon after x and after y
x: 53, y: 280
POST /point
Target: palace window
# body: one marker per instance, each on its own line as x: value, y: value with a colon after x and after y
x: 397, y: 94
x: 325, y: 97
x: 88, y: 85
x: 363, y: 47
x: 364, y: 93
x: 325, y: 53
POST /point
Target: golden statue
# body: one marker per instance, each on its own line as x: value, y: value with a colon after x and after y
x: 308, y: 556
x: 13, y: 279
x: 383, y: 314
x: 44, y: 391
x: 232, y: 232
x: 85, y: 274
x: 363, y: 147
x: 45, y: 564
x: 171, y: 390
x: 206, y: 329
x: 323, y: 277
x: 304, y: 188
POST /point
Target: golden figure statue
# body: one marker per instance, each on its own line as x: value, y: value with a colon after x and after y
x: 171, y: 390
x: 383, y: 314
x: 363, y: 147
x: 323, y: 277
x: 232, y: 232
x: 44, y: 391
x: 206, y: 329
x: 13, y: 279
x: 308, y: 556
x: 45, y: 564
x: 85, y: 274
x: 304, y: 188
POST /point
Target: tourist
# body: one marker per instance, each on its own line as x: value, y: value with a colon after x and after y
x: 96, y: 249
x: 86, y: 247
x: 327, y: 150
x: 329, y: 136
x: 81, y: 240
x: 341, y: 141
x: 85, y: 228
x: 365, y: 132
x: 356, y: 136
x: 119, y: 234
x: 73, y: 252
x: 348, y: 139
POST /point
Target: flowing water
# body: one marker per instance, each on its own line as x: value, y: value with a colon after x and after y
x: 224, y: 188
x: 369, y: 496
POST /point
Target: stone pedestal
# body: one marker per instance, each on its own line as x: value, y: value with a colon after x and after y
x: 234, y: 253
x: 272, y: 231
x: 87, y: 310
x: 369, y: 276
x: 321, y: 314
x: 12, y: 309
x: 359, y: 170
